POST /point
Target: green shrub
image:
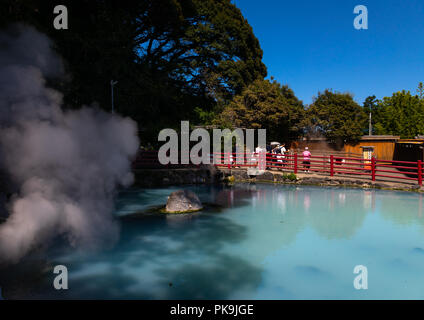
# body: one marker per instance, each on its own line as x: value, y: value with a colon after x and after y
x: 292, y: 177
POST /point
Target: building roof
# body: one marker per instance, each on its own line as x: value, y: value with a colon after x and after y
x: 380, y: 137
x: 411, y: 141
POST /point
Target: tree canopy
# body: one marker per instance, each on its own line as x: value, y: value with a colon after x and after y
x: 168, y: 56
x: 335, y: 116
x: 195, y: 60
x: 267, y: 105
x: 401, y: 114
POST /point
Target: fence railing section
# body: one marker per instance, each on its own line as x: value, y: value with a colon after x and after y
x: 150, y: 160
x: 331, y: 165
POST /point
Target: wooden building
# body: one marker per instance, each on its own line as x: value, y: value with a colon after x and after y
x: 384, y: 146
x: 409, y: 150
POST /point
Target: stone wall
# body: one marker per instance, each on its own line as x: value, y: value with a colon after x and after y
x: 167, y: 177
x: 209, y: 175
x: 307, y: 179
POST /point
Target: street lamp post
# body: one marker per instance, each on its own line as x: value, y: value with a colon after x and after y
x: 370, y: 126
x: 112, y: 83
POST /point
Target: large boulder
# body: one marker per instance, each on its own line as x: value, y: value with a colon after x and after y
x: 183, y: 201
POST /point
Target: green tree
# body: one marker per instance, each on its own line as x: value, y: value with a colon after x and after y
x: 401, y: 114
x: 420, y: 90
x: 336, y: 116
x: 169, y: 56
x: 265, y: 105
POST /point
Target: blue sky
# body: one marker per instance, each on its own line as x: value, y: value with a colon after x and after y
x: 313, y: 45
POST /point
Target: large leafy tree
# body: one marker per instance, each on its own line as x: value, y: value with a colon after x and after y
x: 401, y: 114
x: 207, y: 45
x: 336, y: 116
x: 168, y: 56
x: 266, y: 105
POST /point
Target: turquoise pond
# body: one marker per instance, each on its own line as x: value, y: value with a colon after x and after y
x: 258, y: 242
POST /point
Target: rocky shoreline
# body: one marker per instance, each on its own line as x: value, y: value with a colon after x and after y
x: 211, y: 175
x: 320, y: 180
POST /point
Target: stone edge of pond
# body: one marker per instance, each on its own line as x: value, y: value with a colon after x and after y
x: 210, y: 175
x: 324, y: 181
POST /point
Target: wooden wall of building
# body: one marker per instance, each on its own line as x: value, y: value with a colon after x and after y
x: 384, y: 146
x: 383, y: 149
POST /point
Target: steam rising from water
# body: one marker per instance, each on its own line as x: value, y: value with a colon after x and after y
x: 67, y: 164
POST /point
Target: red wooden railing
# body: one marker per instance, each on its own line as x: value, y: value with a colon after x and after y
x: 149, y: 160
x: 328, y: 164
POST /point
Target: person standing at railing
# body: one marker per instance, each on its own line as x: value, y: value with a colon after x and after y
x: 249, y: 156
x: 258, y: 152
x: 274, y: 156
x: 268, y: 148
x: 306, y: 159
x: 268, y: 156
x: 283, y: 153
x: 278, y: 150
x: 232, y: 156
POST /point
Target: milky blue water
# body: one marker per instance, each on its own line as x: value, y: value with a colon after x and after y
x: 262, y: 242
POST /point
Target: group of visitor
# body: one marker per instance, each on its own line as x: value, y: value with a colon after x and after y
x: 278, y: 156
x: 279, y: 153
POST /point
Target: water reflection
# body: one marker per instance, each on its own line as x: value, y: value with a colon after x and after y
x: 402, y: 208
x: 217, y: 254
x: 332, y: 214
x: 229, y: 197
x: 306, y: 202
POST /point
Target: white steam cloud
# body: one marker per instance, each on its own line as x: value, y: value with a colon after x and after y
x: 67, y: 164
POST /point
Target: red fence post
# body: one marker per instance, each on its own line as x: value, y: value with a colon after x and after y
x: 331, y: 165
x: 373, y: 168
x: 229, y: 160
x: 266, y: 160
x: 420, y: 172
x: 295, y: 163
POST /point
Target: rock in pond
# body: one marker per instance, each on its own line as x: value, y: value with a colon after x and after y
x: 183, y: 201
